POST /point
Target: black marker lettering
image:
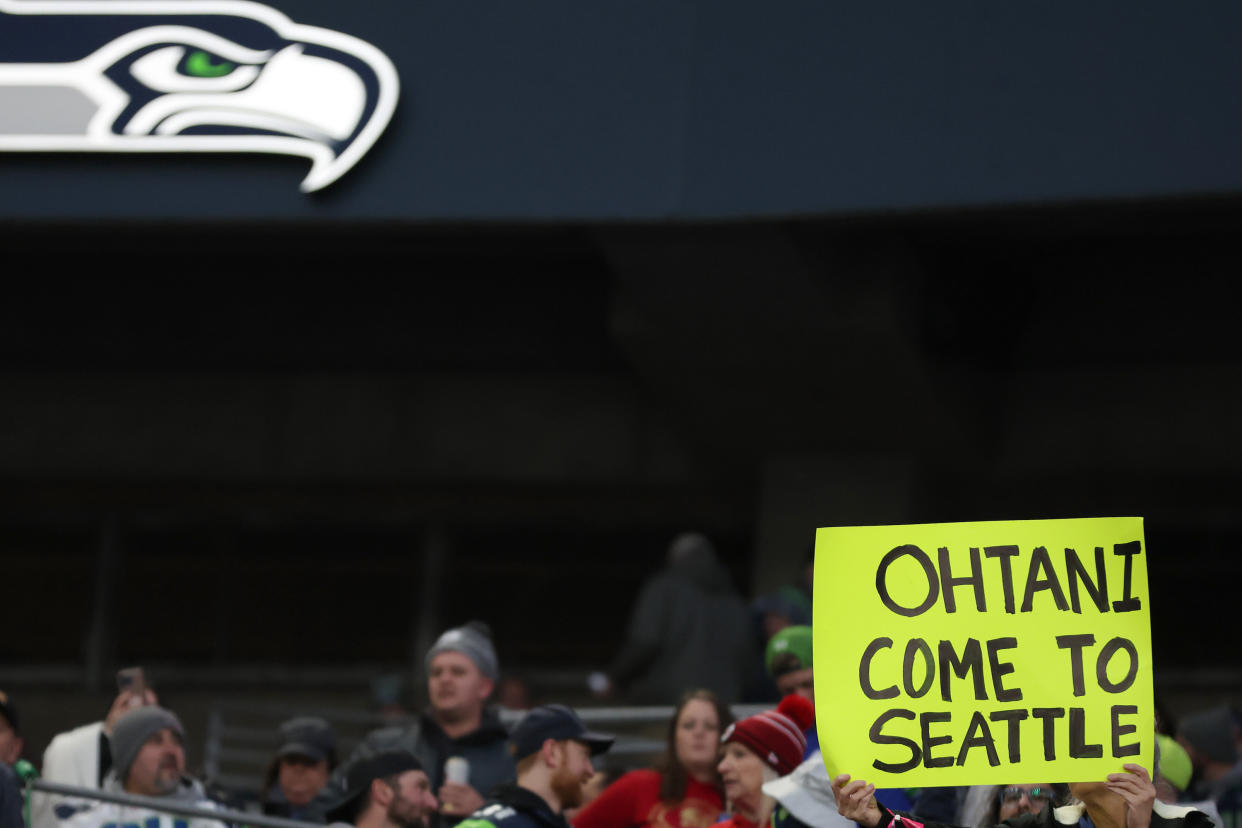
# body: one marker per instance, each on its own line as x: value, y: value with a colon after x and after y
x: 1106, y: 655
x: 948, y: 582
x: 971, y: 662
x: 1075, y: 643
x: 1041, y: 561
x: 1078, y: 748
x: 933, y: 583
x: 1120, y: 730
x: 879, y: 738
x: 930, y: 742
x: 917, y: 645
x: 1004, y: 554
x: 864, y: 671
x: 1013, y: 717
x: 978, y: 734
x: 1049, y: 716
x: 1076, y: 572
x: 1000, y: 669
x: 1128, y: 603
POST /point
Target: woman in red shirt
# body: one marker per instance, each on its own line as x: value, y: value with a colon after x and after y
x: 685, y: 792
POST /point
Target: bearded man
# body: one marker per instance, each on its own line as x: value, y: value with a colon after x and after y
x: 148, y: 759
x: 388, y: 790
x: 553, y: 750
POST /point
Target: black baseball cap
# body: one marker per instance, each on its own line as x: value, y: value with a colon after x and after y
x: 557, y: 722
x: 307, y: 736
x: 9, y: 711
x: 361, y: 774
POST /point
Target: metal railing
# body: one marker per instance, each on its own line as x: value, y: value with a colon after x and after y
x: 168, y: 806
x: 240, y: 738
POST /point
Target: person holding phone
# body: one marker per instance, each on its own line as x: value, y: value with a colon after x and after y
x: 83, y: 756
x: 148, y: 760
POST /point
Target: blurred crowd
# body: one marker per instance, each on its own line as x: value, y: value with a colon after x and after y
x: 692, y: 642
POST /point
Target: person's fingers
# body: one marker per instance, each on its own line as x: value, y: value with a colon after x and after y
x: 850, y: 792
x: 852, y: 787
x: 1137, y: 770
x: 1125, y: 791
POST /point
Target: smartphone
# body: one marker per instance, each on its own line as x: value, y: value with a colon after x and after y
x: 134, y: 680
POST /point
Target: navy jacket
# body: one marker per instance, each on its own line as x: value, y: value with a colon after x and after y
x: 512, y: 806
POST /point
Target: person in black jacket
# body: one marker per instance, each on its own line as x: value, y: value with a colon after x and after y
x: 554, y: 750
x: 689, y: 628
x: 462, y: 669
x: 10, y: 799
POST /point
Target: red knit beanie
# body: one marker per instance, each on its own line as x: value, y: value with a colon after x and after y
x: 776, y: 736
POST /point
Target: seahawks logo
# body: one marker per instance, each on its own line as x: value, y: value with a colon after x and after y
x: 188, y: 76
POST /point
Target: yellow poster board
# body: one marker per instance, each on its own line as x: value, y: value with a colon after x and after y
x: 1004, y: 652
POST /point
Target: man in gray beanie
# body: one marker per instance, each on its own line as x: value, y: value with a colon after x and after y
x: 474, y: 640
x: 155, y: 735
x: 148, y: 759
x: 462, y: 669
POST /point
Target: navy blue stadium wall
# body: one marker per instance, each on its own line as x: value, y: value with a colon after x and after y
x: 654, y: 110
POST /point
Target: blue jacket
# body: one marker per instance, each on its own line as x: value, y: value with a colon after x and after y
x: 10, y: 799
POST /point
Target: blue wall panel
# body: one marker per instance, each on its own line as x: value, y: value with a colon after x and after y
x: 650, y: 109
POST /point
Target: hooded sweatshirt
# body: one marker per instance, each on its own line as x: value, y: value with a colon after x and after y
x: 689, y: 629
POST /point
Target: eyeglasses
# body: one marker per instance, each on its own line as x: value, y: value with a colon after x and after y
x: 1037, y: 795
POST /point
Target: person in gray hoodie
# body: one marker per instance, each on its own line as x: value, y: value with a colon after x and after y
x: 462, y: 669
x: 689, y: 629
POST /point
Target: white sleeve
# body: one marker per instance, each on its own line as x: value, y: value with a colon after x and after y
x: 72, y: 758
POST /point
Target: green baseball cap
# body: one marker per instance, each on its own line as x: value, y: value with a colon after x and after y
x: 1174, y: 762
x: 794, y: 640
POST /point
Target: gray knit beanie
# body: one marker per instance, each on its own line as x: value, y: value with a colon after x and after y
x: 474, y: 640
x: 132, y: 730
x: 1211, y: 733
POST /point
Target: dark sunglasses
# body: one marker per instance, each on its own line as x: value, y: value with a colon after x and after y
x: 1036, y: 795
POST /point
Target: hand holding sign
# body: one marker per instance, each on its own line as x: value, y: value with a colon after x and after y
x: 856, y: 801
x: 1136, y: 788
